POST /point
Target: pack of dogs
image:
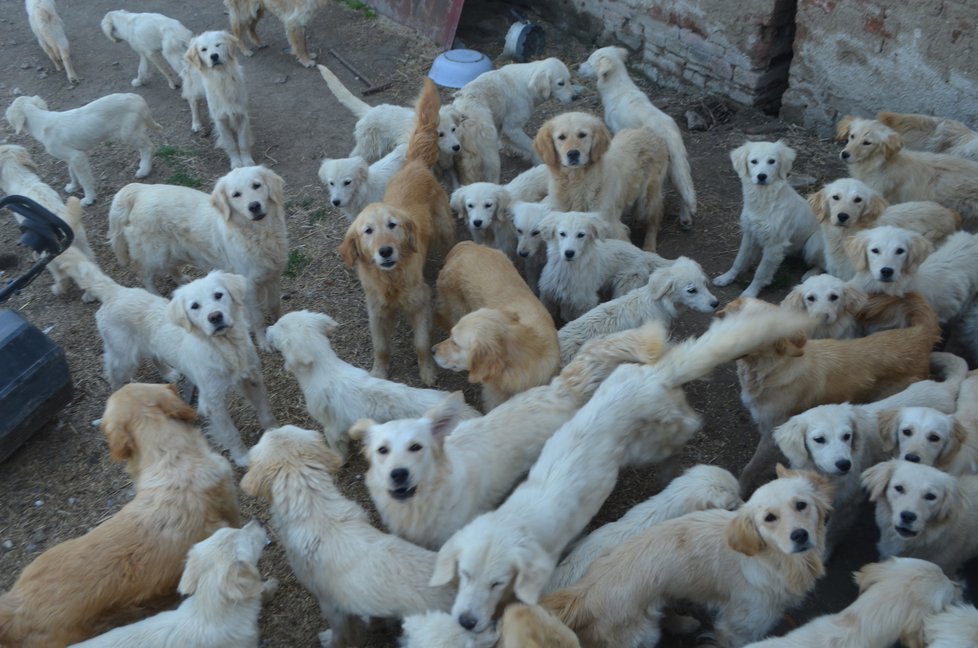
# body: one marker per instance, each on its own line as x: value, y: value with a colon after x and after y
x: 562, y: 322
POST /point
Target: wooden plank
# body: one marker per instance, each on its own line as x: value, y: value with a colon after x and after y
x: 435, y: 19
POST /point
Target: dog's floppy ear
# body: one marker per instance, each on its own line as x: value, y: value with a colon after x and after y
x: 275, y: 184
x: 787, y: 156
x: 257, y: 482
x: 445, y: 415
x: 360, y: 430
x: 601, y: 140
x: 819, y: 205
x: 534, y: 567
x: 350, y: 247
x: 118, y: 435
x: 742, y: 534
x: 237, y: 288
x: 855, y: 299
x: 174, y: 407
x: 486, y: 357
x: 219, y: 199
x: 794, y: 300
x: 543, y: 144
x: 410, y: 234
x: 190, y: 56
x: 957, y: 438
x: 23, y: 158
x: 540, y: 82
x: 234, y: 46
x: 876, y: 478
x: 193, y: 573
x: 793, y: 347
x: 891, y: 143
x: 855, y: 247
x: 790, y: 437
x: 920, y: 249
x: 177, y: 314
x: 548, y: 226
x: 951, y: 500
x: 876, y: 204
x: 457, y: 202
x: 864, y: 426
x: 842, y: 128
x: 108, y: 28
x: 503, y: 201
x: 661, y: 283
x: 606, y: 65
x: 887, y: 421
x: 738, y: 159
x: 15, y: 115
x: 446, y: 562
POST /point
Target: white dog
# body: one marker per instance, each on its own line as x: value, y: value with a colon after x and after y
x: 239, y: 227
x: 212, y: 55
x: 775, y: 221
x: 353, y: 184
x: 483, y: 207
x: 670, y: 289
x: 924, y: 512
x: 530, y: 246
x: 895, y: 599
x: 50, y: 34
x: 337, y: 393
x: 626, y: 106
x: 352, y: 568
x: 496, y: 105
x: 699, y: 488
x: 931, y: 437
x: 202, y: 333
x: 832, y: 303
x: 581, y: 263
x: 159, y: 40
x: 224, y: 590
x: 71, y: 134
x: 956, y: 627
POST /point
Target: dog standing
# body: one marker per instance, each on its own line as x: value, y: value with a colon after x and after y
x: 294, y: 14
x: 159, y: 40
x: 50, y: 34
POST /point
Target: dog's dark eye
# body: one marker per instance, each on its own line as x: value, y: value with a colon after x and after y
x: 836, y: 197
x: 811, y: 298
x: 560, y: 83
x: 833, y: 298
x: 933, y: 438
x: 582, y: 135
x: 563, y: 234
x: 391, y: 225
x: 692, y: 290
x: 236, y: 194
x: 770, y: 517
x: 535, y: 233
x: 561, y: 137
x: 819, y: 439
x: 496, y: 584
x: 369, y: 230
x: 753, y: 161
x: 256, y: 185
x: 771, y: 161
x: 383, y: 450
x: 441, y: 133
x: 875, y: 250
x: 453, y: 129
x: 415, y: 447
x: 930, y: 497
x: 194, y: 306
x: 801, y: 506
x: 519, y: 231
x: 846, y: 437
x: 470, y: 205
x: 203, y: 49
x: 488, y: 205
x: 906, y: 432
x: 898, y: 489
x: 218, y: 296
x: 866, y: 142
x: 900, y: 250
x: 580, y: 235
x: 346, y: 183
x: 857, y: 200
x: 331, y: 183
x: 852, y: 137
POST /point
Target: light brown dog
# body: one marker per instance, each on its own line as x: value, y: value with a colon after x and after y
x: 184, y: 492
x: 500, y: 332
x: 389, y: 241
x: 531, y: 626
x: 50, y: 33
x: 294, y: 14
x: 590, y: 171
x: 936, y: 134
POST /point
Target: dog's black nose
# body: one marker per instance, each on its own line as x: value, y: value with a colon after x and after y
x: 799, y: 536
x: 761, y: 177
x: 457, y: 148
x: 215, y: 57
x: 912, y: 457
x: 467, y: 621
x: 216, y: 317
x: 569, y: 254
x: 477, y: 223
x: 386, y: 251
x: 842, y: 216
x: 886, y: 272
x: 254, y: 207
x: 399, y: 475
x: 573, y: 155
x: 844, y: 155
x: 843, y: 464
x: 714, y: 303
x: 907, y: 517
x: 523, y: 253
x: 336, y: 202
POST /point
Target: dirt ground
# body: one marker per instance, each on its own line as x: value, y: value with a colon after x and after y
x: 61, y: 483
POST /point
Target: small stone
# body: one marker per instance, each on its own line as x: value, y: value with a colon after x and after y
x: 24, y: 66
x: 695, y: 121
x: 31, y: 548
x: 72, y: 501
x: 38, y: 503
x: 16, y: 92
x: 7, y: 545
x: 281, y: 79
x: 43, y: 75
x: 115, y: 63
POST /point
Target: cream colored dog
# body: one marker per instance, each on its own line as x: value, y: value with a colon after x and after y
x: 157, y: 39
x: 530, y: 245
x: 935, y: 134
x: 931, y: 437
x: 50, y: 34
x: 956, y: 627
x: 71, y: 134
x: 353, y: 184
x: 294, y: 14
x: 832, y: 303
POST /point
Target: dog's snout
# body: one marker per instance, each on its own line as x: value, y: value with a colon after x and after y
x: 907, y: 517
x: 523, y: 253
x: 336, y: 202
x: 573, y: 155
x: 843, y: 217
x: 844, y: 155
x: 714, y: 303
x: 910, y: 456
x: 385, y: 251
x: 215, y: 57
x: 477, y: 223
x: 467, y: 621
x: 399, y: 475
x: 761, y: 177
x: 216, y: 317
x: 843, y: 465
x: 254, y: 207
x: 799, y: 536
x: 457, y: 148
x: 886, y: 272
x: 569, y: 254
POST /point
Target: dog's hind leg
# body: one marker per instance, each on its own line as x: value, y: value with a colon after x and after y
x: 65, y: 56
x: 145, y: 146
x: 172, y: 78
x: 296, y: 34
x: 81, y: 174
x: 212, y: 403
x: 142, y: 74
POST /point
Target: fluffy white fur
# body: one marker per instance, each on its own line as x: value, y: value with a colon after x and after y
x: 956, y: 627
x: 239, y: 227
x: 212, y: 55
x: 482, y: 206
x: 895, y: 599
x: 582, y: 263
x: 626, y: 106
x: 699, y: 488
x: 530, y: 245
x: 440, y: 630
x: 337, y: 393
x: 69, y: 135
x: 224, y: 590
x: 49, y: 30
x: 353, y: 569
x: 923, y: 512
x: 158, y: 40
x: 353, y: 184
x: 925, y: 435
x: 775, y: 221
x: 831, y: 302
x: 670, y: 289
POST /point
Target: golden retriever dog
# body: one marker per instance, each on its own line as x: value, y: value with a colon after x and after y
x: 294, y: 14
x: 184, y: 492
x: 239, y: 227
x: 500, y: 332
x: 591, y: 172
x: 69, y: 135
x: 925, y: 435
x: 159, y: 40
x: 847, y: 206
x: 775, y: 220
x: 875, y: 155
x: 353, y: 569
x: 924, y: 512
x: 389, y: 242
x: 793, y: 374
x: 956, y: 627
x: 484, y: 209
x: 224, y: 593
x: 895, y: 599
x: 934, y: 134
x: 747, y: 566
x: 832, y: 303
x: 212, y: 56
x: 50, y: 34
x: 627, y: 106
x: 353, y: 184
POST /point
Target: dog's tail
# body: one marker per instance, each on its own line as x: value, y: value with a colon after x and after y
x: 423, y: 144
x: 73, y: 216
x: 948, y: 368
x: 896, y: 311
x: 86, y: 274
x: 343, y: 95
x: 910, y: 125
x: 119, y: 213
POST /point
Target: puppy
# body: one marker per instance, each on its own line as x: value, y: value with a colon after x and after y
x: 201, y: 333
x: 700, y: 488
x: 956, y: 627
x: 212, y: 56
x: 239, y: 227
x: 931, y: 437
x: 626, y: 106
x: 184, y: 492
x: 746, y: 566
x: 429, y: 476
x: 530, y: 246
x: 388, y: 244
x: 224, y: 590
x: 50, y: 34
x: 590, y: 171
x: 500, y: 332
x: 582, y: 264
x: 831, y: 302
x: 294, y: 14
x: 522, y: 626
x: 670, y: 289
x: 496, y: 106
x: 351, y: 568
x: 338, y: 394
x: 895, y: 599
x: 847, y: 206
x: 875, y: 155
x: 922, y: 512
x: 440, y: 630
x: 158, y: 40
x: 482, y: 207
x: 935, y: 134
x: 71, y: 134
x: 775, y: 221
x: 353, y: 184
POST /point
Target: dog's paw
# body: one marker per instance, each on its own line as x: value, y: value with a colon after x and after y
x: 240, y: 458
x: 88, y: 297
x: 71, y: 187
x: 196, y: 128
x: 428, y: 376
x: 326, y: 639
x: 137, y: 82
x: 142, y: 174
x: 378, y: 371
x: 751, y: 291
x: 88, y: 201
x: 724, y: 280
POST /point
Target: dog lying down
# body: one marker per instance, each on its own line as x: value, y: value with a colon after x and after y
x: 522, y: 626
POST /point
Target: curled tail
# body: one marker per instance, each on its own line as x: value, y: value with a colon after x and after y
x: 343, y: 95
x: 86, y: 274
x: 118, y: 220
x: 423, y: 144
